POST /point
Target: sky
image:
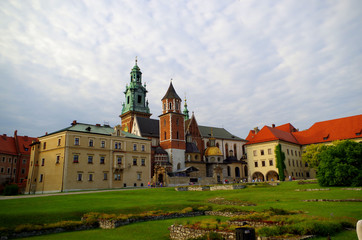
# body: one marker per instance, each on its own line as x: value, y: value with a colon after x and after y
x: 240, y: 63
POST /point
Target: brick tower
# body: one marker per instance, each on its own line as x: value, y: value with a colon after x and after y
x: 172, y: 129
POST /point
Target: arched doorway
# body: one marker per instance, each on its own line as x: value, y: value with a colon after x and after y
x: 160, y: 178
x: 237, y: 172
x: 258, y: 176
x: 272, y: 175
x: 178, y: 166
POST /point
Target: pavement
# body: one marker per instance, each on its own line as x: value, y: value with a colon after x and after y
x: 63, y: 193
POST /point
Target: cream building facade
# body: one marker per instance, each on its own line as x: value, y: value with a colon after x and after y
x: 85, y: 157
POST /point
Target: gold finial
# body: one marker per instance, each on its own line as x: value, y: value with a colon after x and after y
x: 211, y: 133
x: 185, y: 97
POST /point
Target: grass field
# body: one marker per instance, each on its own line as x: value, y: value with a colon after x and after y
x: 71, y: 207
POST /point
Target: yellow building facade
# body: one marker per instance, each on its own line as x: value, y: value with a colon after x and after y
x: 87, y: 157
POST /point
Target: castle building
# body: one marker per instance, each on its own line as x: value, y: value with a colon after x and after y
x: 14, y: 159
x: 85, y: 156
x: 179, y: 143
x: 261, y: 145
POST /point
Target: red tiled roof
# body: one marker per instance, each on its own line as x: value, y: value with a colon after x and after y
x: 331, y: 130
x: 7, y: 145
x: 24, y: 143
x: 326, y: 131
x: 267, y: 134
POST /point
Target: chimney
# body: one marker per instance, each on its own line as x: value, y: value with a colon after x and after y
x: 256, y: 130
x: 15, y: 133
x: 273, y: 125
x: 74, y: 122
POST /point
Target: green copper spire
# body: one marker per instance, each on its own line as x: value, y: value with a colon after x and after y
x: 186, y: 111
x: 135, y: 93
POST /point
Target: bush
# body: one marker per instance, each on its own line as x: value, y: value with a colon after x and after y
x: 11, y: 190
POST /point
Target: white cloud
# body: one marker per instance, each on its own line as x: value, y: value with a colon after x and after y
x: 242, y: 63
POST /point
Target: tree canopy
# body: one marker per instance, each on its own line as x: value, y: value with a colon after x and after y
x: 311, y: 154
x: 340, y: 164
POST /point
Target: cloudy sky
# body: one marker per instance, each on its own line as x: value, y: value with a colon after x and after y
x: 240, y: 63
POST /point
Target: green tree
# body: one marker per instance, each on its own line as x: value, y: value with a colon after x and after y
x: 280, y: 157
x: 311, y: 154
x: 341, y: 164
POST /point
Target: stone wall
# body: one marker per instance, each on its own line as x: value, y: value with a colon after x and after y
x: 111, y: 224
x: 210, y: 188
x: 179, y: 232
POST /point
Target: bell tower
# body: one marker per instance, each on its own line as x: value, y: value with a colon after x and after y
x: 135, y: 103
x: 172, y: 128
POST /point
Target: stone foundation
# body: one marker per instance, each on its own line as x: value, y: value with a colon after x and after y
x: 179, y: 232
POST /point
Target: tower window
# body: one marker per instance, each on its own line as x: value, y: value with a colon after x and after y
x: 139, y: 100
x: 177, y: 135
x: 128, y: 100
x: 170, y: 106
x: 165, y: 134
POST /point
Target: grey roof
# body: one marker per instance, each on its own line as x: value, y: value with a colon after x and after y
x: 171, y: 93
x: 191, y: 148
x: 148, y: 127
x: 94, y: 129
x: 159, y: 150
x: 220, y: 133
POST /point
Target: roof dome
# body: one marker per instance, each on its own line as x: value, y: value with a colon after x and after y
x: 213, y: 151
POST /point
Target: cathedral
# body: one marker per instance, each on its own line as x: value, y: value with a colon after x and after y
x: 183, y: 152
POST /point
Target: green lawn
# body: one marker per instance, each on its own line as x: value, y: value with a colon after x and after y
x: 72, y: 207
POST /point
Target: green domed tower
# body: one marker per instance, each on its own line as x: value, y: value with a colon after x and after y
x: 135, y: 103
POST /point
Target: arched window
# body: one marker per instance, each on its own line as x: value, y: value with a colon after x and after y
x: 178, y: 166
x: 227, y: 149
x: 229, y: 171
x: 177, y: 135
x: 237, y: 172
x: 118, y: 133
x: 164, y: 106
x: 235, y: 152
x: 165, y: 134
x: 170, y: 106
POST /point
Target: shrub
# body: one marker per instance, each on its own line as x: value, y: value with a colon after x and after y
x: 11, y: 190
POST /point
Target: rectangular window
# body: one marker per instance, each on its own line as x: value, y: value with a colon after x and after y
x: 293, y: 163
x: 103, y: 144
x: 262, y: 152
x: 90, y: 177
x: 297, y: 163
x: 58, y: 159
x: 3, y: 159
x: 42, y: 161
x: 101, y: 160
x: 269, y: 151
x: 143, y: 148
x: 22, y: 171
x: 134, y: 147
x: 254, y: 152
x: 90, y: 159
x: 291, y: 151
x: 79, y: 177
x: 117, y: 177
x: 135, y: 161
x: 271, y: 162
x: 44, y: 145
x: 256, y: 164
x: 75, y: 158
x: 14, y: 170
x: 2, y: 170
x: 91, y: 142
x: 119, y: 160
x: 289, y: 162
x: 8, y: 170
x: 14, y: 160
x: 41, y: 178
x: 24, y: 161
x: 139, y: 175
x: 10, y: 160
x: 263, y: 163
x: 295, y: 152
x: 143, y: 162
x: 288, y: 151
x: 76, y: 141
x: 105, y: 176
x: 117, y: 145
x: 59, y: 141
